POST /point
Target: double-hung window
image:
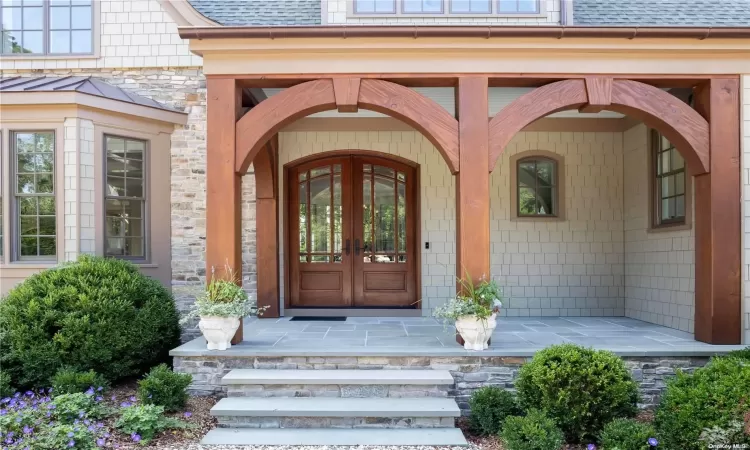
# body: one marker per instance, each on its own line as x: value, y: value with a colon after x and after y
x: 125, y: 198
x: 47, y: 27
x: 670, y: 183
x: 35, y: 230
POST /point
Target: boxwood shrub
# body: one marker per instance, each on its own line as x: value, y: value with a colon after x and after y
x: 581, y: 389
x: 713, y: 396
x: 94, y: 314
x: 490, y: 406
x: 627, y: 434
x: 163, y: 387
x: 535, y: 431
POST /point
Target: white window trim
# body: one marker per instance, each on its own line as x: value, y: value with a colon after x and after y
x: 95, y: 42
x: 351, y: 13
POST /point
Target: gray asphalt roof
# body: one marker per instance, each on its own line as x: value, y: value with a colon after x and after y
x: 86, y: 85
x: 715, y: 13
x: 711, y: 13
x: 260, y: 12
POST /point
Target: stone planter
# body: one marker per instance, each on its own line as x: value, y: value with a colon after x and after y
x: 476, y: 332
x: 218, y: 331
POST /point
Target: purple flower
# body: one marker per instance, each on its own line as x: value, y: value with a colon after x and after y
x: 27, y: 429
x: 114, y: 398
x: 653, y: 442
x: 90, y: 391
x: 72, y: 443
x: 591, y: 447
x: 70, y: 434
x: 124, y: 404
x: 135, y: 437
x: 99, y: 398
x: 3, y: 412
x: 99, y: 389
x: 81, y: 414
x: 100, y: 442
x: 188, y: 414
x: 132, y: 398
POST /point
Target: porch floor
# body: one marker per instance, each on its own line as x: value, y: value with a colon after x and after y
x: 425, y: 336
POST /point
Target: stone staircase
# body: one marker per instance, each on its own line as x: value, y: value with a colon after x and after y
x: 336, y: 407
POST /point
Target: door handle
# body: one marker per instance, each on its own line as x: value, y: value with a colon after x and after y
x: 348, y: 246
x: 356, y: 247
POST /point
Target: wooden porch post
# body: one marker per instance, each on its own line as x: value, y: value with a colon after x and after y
x: 717, y: 218
x: 223, y: 193
x: 473, y: 179
x: 267, y: 227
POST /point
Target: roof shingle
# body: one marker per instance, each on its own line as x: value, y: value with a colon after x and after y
x: 260, y: 12
x: 669, y: 13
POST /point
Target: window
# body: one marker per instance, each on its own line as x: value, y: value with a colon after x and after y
x: 374, y: 6
x: 471, y: 6
x: 445, y: 7
x: 34, y: 200
x: 422, y: 6
x: 51, y: 27
x: 125, y: 198
x: 537, y: 185
x: 518, y: 6
x: 670, y: 193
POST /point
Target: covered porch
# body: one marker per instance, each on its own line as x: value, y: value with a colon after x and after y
x: 251, y: 132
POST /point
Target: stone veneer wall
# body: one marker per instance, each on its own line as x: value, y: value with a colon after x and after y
x: 570, y: 267
x: 469, y: 372
x: 659, y: 266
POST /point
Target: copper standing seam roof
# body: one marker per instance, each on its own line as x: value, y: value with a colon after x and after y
x: 364, y: 31
x: 85, y: 85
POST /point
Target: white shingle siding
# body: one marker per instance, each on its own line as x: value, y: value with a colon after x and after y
x: 78, y: 189
x: 745, y: 117
x: 132, y: 33
x: 659, y: 266
x: 571, y: 267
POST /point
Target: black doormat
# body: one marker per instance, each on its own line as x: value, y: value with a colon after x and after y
x: 317, y: 318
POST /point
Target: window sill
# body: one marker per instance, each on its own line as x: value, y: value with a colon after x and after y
x: 27, y: 265
x: 668, y: 228
x: 19, y: 56
x: 537, y: 219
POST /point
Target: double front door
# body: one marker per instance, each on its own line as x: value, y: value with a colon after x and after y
x: 352, y: 233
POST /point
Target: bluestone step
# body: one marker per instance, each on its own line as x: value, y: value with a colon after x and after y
x: 312, y: 436
x: 336, y: 407
x: 338, y: 377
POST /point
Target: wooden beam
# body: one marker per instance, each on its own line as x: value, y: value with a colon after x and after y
x: 472, y: 180
x: 223, y: 184
x: 267, y: 228
x: 346, y: 91
x: 718, y: 218
x: 599, y: 93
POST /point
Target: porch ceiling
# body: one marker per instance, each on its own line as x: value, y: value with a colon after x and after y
x: 425, y: 336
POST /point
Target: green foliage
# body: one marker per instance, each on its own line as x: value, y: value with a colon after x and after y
x: 166, y: 388
x: 70, y: 381
x: 535, y: 431
x: 96, y: 313
x: 481, y: 300
x: 627, y: 434
x: 742, y: 354
x: 69, y: 407
x: 6, y: 390
x: 223, y: 297
x: 713, y: 396
x: 718, y: 437
x: 490, y: 406
x: 143, y: 422
x: 580, y: 389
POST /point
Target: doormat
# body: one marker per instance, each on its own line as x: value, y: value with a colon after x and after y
x: 317, y: 318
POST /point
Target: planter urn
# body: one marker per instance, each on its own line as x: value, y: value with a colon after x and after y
x: 218, y: 331
x: 476, y: 332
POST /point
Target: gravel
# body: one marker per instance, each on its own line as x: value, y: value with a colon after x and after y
x: 306, y: 447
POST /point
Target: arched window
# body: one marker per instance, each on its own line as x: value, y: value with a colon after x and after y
x: 536, y: 185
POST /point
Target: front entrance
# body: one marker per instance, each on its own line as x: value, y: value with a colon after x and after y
x: 352, y: 233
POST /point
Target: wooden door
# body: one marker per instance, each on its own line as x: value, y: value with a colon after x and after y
x: 383, y: 215
x: 320, y: 234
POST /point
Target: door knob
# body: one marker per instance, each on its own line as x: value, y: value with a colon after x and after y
x: 348, y: 246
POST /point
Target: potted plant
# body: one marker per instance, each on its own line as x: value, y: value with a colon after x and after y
x: 474, y: 309
x: 220, y: 307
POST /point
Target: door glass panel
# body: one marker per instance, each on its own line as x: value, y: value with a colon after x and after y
x: 320, y: 171
x: 384, y: 214
x: 303, y: 220
x: 320, y: 214
x: 337, y: 214
x: 367, y: 217
x: 384, y: 171
x: 401, y: 218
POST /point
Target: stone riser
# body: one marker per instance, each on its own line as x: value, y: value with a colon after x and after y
x: 336, y: 422
x: 346, y: 391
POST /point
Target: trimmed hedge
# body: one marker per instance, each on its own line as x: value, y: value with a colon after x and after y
x: 490, y: 406
x: 96, y: 313
x: 535, y: 431
x: 713, y: 396
x: 163, y: 387
x: 627, y: 434
x: 581, y: 389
